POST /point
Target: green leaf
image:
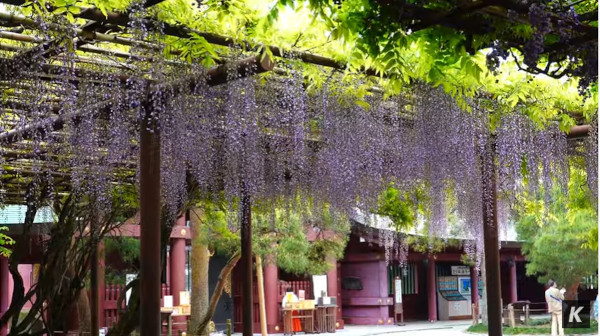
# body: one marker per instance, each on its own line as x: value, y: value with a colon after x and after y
x: 363, y: 104
x: 566, y: 122
x: 60, y: 10
x: 74, y: 10
x: 102, y: 9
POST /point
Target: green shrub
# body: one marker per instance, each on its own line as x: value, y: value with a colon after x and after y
x: 538, y: 329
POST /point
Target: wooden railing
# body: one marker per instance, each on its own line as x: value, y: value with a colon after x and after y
x: 282, y: 286
x: 305, y: 285
x: 112, y: 293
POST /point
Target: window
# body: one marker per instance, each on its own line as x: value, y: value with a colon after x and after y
x: 409, y: 276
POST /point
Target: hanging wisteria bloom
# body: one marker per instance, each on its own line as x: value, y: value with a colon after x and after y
x: 271, y: 140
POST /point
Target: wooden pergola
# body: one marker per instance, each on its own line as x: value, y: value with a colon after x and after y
x: 40, y: 60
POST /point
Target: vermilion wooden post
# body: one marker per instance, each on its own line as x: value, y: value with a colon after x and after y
x: 431, y: 291
x: 177, y: 266
x: 271, y: 275
x: 490, y: 238
x: 177, y: 262
x: 150, y: 214
x: 512, y: 266
x: 332, y: 285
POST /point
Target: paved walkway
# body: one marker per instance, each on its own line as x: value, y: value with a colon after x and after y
x: 420, y: 328
x: 440, y: 328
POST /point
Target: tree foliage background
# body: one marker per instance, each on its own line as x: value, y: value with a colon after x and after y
x: 560, y: 240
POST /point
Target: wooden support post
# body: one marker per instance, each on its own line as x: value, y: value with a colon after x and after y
x: 261, y: 296
x: 271, y: 277
x: 177, y: 268
x: 490, y: 238
x: 527, y: 314
x: 431, y: 291
x: 95, y: 298
x: 246, y: 259
x: 101, y: 289
x: 150, y: 214
x: 512, y: 266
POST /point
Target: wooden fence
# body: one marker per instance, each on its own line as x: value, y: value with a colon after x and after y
x: 112, y: 309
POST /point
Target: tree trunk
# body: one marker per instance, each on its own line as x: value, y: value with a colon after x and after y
x: 199, y: 264
x: 223, y: 277
x: 571, y: 293
x: 483, y: 300
x: 84, y: 312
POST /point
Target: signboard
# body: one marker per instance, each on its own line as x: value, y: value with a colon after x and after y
x: 464, y: 285
x: 320, y: 286
x: 398, y: 290
x: 460, y: 270
x: 398, y: 300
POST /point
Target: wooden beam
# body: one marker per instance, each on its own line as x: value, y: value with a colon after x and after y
x: 53, y: 123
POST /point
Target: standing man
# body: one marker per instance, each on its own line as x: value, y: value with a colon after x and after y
x: 554, y: 298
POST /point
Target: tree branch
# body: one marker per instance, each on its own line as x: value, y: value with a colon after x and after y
x: 214, y: 299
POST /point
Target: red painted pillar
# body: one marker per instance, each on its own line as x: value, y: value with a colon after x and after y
x: 513, y: 280
x: 384, y: 311
x: 177, y: 261
x: 332, y: 288
x: 177, y: 266
x: 431, y: 292
x: 474, y: 287
x: 340, y: 308
x: 3, y: 291
x: 271, y: 279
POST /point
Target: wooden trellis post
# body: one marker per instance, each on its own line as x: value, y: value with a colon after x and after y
x: 150, y: 214
x: 490, y: 238
x: 246, y: 259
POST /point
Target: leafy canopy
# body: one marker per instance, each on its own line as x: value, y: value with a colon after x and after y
x: 560, y: 240
x: 402, y: 42
x: 4, y: 242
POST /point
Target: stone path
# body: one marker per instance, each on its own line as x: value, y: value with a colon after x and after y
x: 440, y: 328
